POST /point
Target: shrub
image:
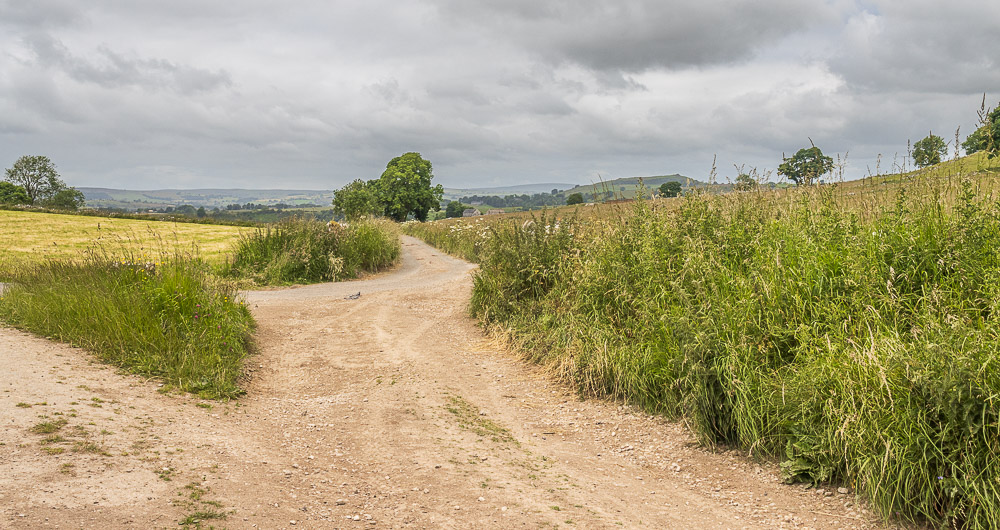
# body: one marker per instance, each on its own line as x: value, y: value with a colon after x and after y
x: 305, y: 251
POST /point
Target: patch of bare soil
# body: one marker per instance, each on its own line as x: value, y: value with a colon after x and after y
x: 390, y: 410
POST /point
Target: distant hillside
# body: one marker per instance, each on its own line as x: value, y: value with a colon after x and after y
x: 451, y: 194
x: 627, y: 186
x: 209, y: 198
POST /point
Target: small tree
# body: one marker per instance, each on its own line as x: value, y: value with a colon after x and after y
x: 670, y: 189
x: 68, y: 199
x: 574, y: 198
x: 454, y: 209
x: 987, y: 136
x: 745, y: 182
x: 806, y: 166
x: 200, y: 212
x: 37, y: 175
x: 13, y: 194
x: 928, y: 151
x: 355, y: 200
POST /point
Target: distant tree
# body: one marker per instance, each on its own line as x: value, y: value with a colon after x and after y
x: 405, y: 188
x: 670, y: 189
x: 37, y: 175
x: 554, y: 191
x: 454, y: 209
x: 574, y: 198
x: 745, y: 182
x: 200, y: 212
x: 928, y: 151
x: 355, y: 200
x: 13, y: 194
x: 65, y: 199
x: 987, y: 137
x: 806, y: 166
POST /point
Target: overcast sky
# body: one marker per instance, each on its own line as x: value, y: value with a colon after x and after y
x: 314, y: 93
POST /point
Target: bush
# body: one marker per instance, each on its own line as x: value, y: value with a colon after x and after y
x: 162, y: 316
x: 305, y: 251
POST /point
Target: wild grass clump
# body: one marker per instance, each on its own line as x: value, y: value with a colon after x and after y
x: 306, y: 251
x: 856, y: 341
x: 163, y: 316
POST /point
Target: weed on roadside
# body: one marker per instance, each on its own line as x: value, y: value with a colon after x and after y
x: 469, y: 418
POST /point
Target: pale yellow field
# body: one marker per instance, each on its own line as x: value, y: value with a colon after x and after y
x: 32, y: 237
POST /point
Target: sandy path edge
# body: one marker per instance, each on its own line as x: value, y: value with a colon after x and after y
x: 391, y: 411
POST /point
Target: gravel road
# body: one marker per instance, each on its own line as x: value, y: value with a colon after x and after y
x: 386, y: 411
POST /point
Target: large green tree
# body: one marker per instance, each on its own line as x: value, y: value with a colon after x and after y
x: 928, y: 151
x: 405, y: 188
x: 987, y: 136
x: 37, y: 175
x: 806, y: 166
x: 13, y: 194
x: 356, y: 200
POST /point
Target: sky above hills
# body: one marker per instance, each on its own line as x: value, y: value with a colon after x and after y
x: 312, y: 94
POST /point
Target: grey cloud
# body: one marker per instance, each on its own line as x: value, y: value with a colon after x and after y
x: 40, y: 14
x: 922, y: 45
x: 114, y: 70
x: 635, y: 35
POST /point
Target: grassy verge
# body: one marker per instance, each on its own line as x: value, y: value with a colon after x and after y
x: 850, y: 333
x: 305, y: 251
x: 162, y: 316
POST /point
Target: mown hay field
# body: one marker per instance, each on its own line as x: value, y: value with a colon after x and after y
x: 33, y: 237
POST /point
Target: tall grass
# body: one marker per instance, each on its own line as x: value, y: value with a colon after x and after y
x: 306, y: 251
x: 162, y: 315
x: 855, y: 340
x: 458, y: 237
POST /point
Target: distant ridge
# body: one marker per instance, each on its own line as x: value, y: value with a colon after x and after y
x: 221, y: 197
x: 631, y: 184
x: 207, y: 197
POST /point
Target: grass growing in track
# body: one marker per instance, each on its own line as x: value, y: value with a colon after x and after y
x: 850, y: 331
x: 306, y: 251
x: 162, y: 316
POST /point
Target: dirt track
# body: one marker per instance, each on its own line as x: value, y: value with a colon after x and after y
x: 391, y: 410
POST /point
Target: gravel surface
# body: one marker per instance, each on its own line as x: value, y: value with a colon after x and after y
x: 384, y: 411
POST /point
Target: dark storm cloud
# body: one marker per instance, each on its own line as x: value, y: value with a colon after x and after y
x: 639, y: 35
